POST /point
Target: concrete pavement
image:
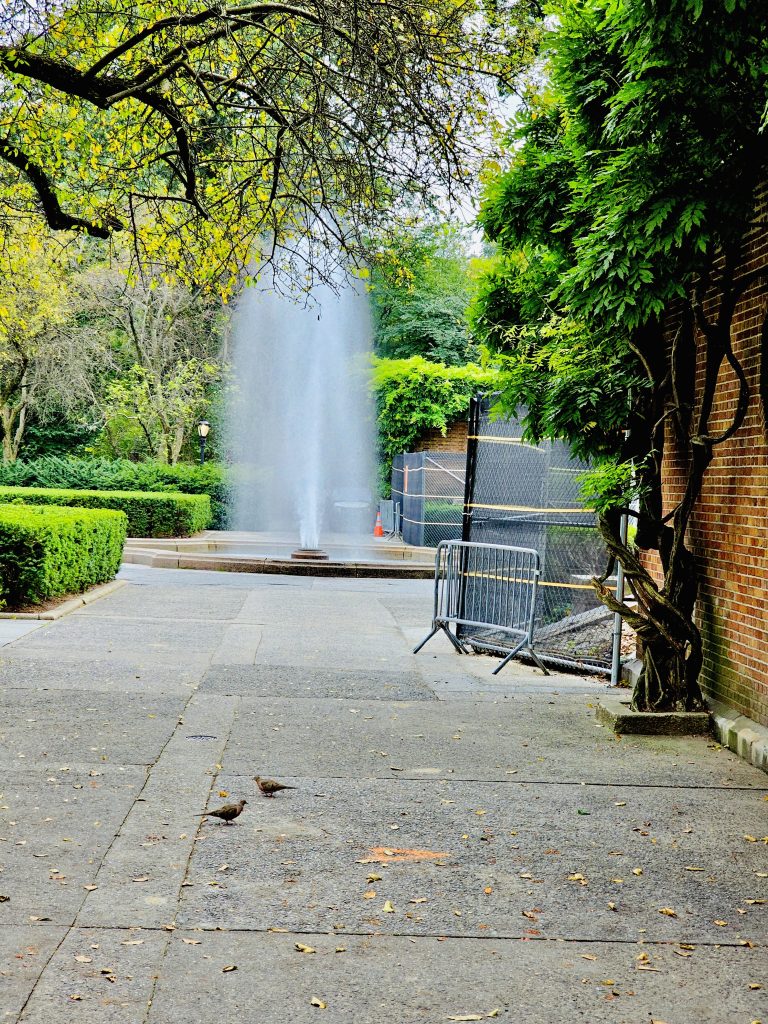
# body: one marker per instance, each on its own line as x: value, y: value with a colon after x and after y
x: 458, y: 846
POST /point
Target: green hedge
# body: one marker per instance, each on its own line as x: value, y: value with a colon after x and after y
x: 163, y: 514
x: 99, y: 474
x: 46, y: 552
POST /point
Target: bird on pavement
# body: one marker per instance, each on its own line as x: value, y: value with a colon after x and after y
x: 227, y: 812
x: 269, y: 786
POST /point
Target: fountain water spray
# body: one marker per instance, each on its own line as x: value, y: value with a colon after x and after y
x: 301, y: 420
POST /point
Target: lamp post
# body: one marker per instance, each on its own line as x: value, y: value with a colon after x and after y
x: 202, y: 430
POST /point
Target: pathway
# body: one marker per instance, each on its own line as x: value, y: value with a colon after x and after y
x: 561, y: 874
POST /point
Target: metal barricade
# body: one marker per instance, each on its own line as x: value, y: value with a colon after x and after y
x: 489, y: 590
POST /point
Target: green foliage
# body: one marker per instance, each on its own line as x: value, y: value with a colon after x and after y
x: 47, y: 552
x: 631, y: 171
x: 421, y: 285
x: 166, y: 514
x: 629, y: 191
x: 123, y: 475
x: 415, y: 395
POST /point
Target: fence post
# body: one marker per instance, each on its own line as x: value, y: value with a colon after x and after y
x: 473, y: 428
x: 616, y: 646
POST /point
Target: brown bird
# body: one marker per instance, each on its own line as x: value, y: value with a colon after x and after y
x: 227, y: 812
x: 269, y: 786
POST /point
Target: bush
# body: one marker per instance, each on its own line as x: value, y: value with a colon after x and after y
x: 46, y: 552
x: 414, y: 395
x: 123, y: 475
x: 164, y: 514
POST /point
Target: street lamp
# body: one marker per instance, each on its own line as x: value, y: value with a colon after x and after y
x: 202, y: 429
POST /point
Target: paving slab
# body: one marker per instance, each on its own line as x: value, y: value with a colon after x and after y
x: 200, y: 604
x: 554, y: 740
x: 101, y: 636
x: 294, y: 681
x: 89, y: 727
x: 353, y: 650
x: 344, y: 612
x: 139, y: 878
x: 13, y: 629
x: 24, y: 952
x: 98, y: 975
x: 489, y: 860
x: 20, y: 669
x: 386, y: 980
x: 56, y: 826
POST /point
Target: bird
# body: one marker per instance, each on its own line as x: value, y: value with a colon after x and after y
x: 227, y: 812
x: 269, y: 786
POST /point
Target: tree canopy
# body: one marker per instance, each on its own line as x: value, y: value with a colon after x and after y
x: 231, y: 135
x: 628, y: 197
x: 421, y: 284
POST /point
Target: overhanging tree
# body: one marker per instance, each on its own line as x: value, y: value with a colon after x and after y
x: 226, y: 135
x: 622, y: 220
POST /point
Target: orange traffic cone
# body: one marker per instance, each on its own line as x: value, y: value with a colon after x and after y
x: 378, y: 530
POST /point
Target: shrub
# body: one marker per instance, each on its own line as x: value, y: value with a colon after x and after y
x: 99, y: 474
x: 414, y: 395
x: 46, y: 552
x: 163, y: 514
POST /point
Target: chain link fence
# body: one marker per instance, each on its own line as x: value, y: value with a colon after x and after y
x: 429, y: 488
x: 527, y: 495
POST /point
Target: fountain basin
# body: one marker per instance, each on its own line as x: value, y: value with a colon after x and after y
x: 243, y: 551
x: 309, y: 555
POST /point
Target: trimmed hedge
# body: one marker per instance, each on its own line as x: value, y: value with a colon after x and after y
x: 161, y: 514
x: 46, y: 552
x: 99, y: 474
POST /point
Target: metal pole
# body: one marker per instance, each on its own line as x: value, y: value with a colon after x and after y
x: 616, y: 650
x: 202, y: 451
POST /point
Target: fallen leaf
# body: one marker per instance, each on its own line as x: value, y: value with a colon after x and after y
x: 341, y: 949
x: 418, y: 899
x: 581, y: 811
x: 608, y: 981
x: 388, y: 908
x: 370, y: 895
x: 223, y: 792
x: 141, y: 878
x: 228, y: 968
x: 466, y: 1016
x: 388, y: 855
x: 721, y: 924
x: 668, y: 911
x: 754, y: 986
x: 191, y: 942
x: 621, y: 803
x: 132, y: 942
x: 84, y: 959
x: 690, y: 867
x: 373, y: 878
x: 314, y: 1001
x: 588, y: 956
x: 90, y: 888
x: 304, y: 949
x: 680, y: 952
x: 637, y: 871
x: 751, y: 839
x: 75, y: 998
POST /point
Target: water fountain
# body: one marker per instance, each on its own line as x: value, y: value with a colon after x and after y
x: 301, y: 439
x: 301, y: 425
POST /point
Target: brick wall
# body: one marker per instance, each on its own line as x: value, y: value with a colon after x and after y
x: 729, y: 528
x: 454, y: 441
